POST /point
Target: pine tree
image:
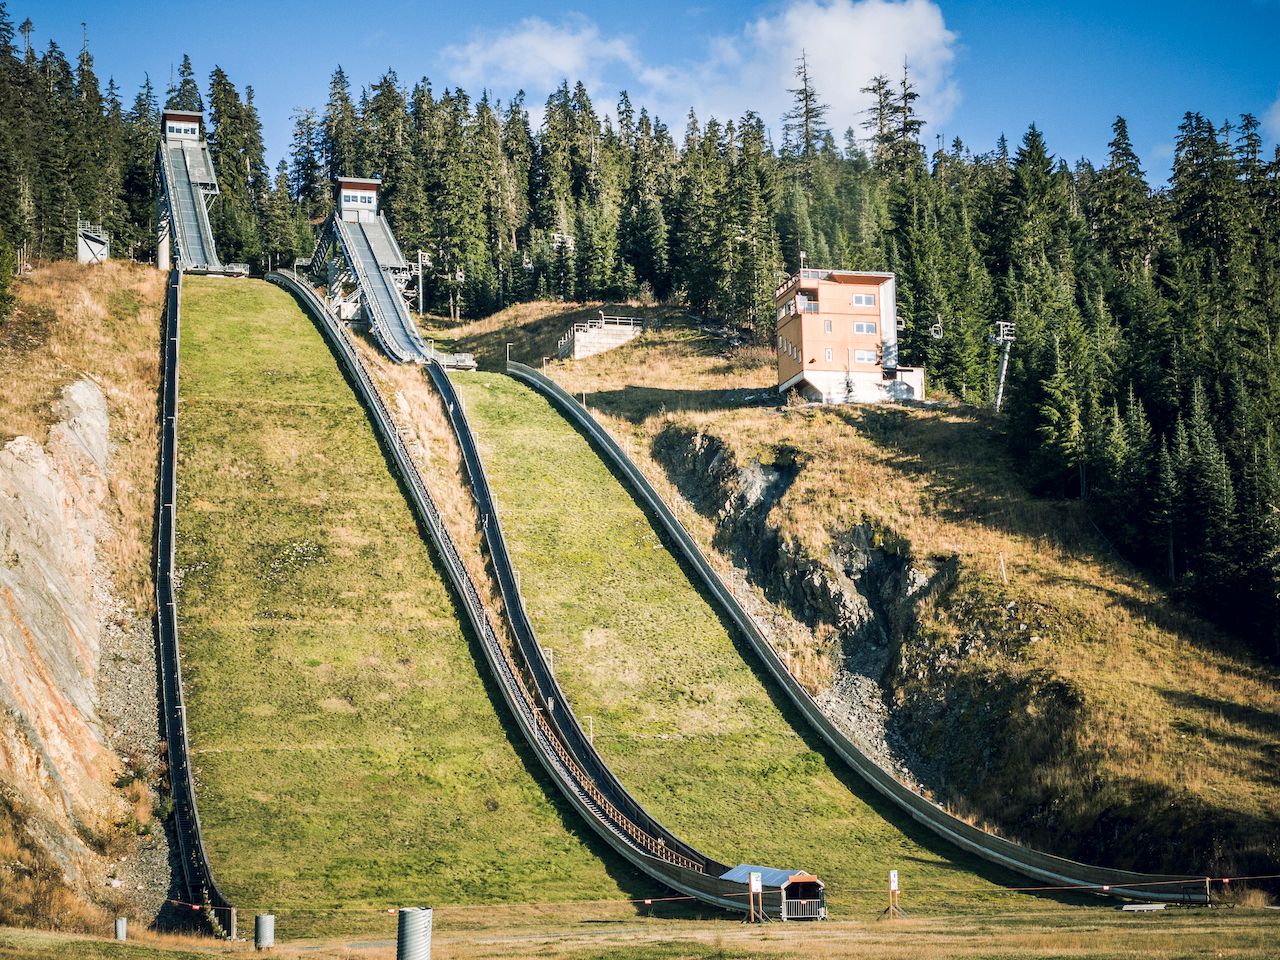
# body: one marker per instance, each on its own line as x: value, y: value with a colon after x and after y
x: 185, y: 95
x: 805, y: 132
x: 1121, y: 204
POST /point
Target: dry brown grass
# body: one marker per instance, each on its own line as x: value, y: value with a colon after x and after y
x: 1090, y: 935
x: 100, y: 322
x: 533, y: 329
x: 1171, y: 708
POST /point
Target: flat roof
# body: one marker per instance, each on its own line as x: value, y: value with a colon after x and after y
x: 184, y: 115
x: 360, y: 183
x: 769, y: 876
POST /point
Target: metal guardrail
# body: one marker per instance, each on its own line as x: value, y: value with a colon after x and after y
x: 555, y: 756
x: 197, y: 877
x: 654, y: 837
x: 1020, y: 859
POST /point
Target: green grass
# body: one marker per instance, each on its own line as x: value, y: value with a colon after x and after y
x: 681, y: 713
x: 348, y: 754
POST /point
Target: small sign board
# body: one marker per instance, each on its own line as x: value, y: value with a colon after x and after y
x: 893, y: 881
x: 755, y: 882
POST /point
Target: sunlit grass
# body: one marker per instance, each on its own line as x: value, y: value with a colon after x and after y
x: 348, y: 755
x: 680, y: 711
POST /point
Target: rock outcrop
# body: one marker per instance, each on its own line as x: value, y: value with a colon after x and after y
x: 861, y: 593
x: 58, y: 611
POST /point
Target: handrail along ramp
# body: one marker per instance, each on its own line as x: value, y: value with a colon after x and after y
x: 580, y: 774
x: 371, y: 250
x: 187, y: 175
x: 197, y: 877
x: 1044, y: 867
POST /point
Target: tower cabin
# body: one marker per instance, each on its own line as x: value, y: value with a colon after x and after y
x: 181, y: 125
x: 358, y: 199
x: 838, y: 338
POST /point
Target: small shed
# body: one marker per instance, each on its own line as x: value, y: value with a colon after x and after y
x: 788, y: 894
x: 358, y: 199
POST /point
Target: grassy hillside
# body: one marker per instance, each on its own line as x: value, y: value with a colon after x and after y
x: 348, y: 753
x: 102, y: 322
x: 1128, y: 729
x: 680, y: 712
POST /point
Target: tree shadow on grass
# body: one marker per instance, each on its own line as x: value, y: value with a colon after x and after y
x: 636, y: 404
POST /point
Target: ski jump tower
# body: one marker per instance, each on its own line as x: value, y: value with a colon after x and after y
x: 187, y: 188
x: 364, y: 274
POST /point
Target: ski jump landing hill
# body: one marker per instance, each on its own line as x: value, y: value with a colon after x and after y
x: 184, y: 245
x: 365, y: 275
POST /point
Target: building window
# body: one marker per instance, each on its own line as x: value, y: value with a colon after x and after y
x: 811, y: 306
x: 864, y: 356
x: 827, y: 326
x: 828, y: 356
x: 864, y: 299
x: 864, y: 326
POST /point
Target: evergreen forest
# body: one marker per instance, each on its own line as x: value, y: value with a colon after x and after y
x: 1144, y: 378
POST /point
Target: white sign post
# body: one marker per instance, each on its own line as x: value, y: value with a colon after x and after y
x: 893, y: 910
x: 755, y: 885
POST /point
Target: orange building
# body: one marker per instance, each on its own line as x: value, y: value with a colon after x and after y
x: 838, y: 338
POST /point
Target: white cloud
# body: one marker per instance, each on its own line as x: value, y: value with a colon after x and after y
x: 847, y: 42
x: 1271, y: 119
x: 536, y: 55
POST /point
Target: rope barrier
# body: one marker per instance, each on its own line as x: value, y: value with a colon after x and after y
x: 1198, y: 882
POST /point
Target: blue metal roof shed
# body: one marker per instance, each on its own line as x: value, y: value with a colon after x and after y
x: 801, y: 895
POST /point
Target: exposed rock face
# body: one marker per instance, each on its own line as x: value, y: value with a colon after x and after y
x: 57, y: 613
x: 51, y: 506
x: 865, y: 589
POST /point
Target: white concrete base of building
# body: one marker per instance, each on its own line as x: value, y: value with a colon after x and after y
x: 834, y: 386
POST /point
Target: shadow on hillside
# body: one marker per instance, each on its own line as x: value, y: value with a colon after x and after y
x: 971, y: 478
x: 1264, y: 726
x: 637, y: 404
x: 536, y: 338
x: 958, y: 860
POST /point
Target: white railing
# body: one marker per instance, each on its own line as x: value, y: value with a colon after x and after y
x: 803, y: 909
x: 600, y: 323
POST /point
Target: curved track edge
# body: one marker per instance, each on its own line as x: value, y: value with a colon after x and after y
x: 585, y: 782
x: 1045, y: 867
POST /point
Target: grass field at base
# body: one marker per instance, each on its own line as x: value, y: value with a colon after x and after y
x: 348, y: 753
x: 1098, y: 934
x: 680, y: 710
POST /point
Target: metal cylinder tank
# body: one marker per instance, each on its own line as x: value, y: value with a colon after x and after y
x: 264, y: 931
x: 413, y: 938
x: 122, y: 928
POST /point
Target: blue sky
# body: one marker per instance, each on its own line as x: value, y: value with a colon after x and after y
x: 983, y: 67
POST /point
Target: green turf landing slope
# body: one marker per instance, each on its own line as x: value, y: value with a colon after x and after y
x: 686, y: 722
x: 349, y: 757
